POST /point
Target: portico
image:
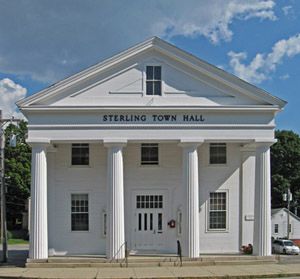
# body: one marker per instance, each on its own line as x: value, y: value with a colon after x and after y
x: 112, y: 163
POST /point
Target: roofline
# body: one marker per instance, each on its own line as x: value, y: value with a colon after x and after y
x: 286, y: 210
x: 171, y: 51
x: 169, y: 107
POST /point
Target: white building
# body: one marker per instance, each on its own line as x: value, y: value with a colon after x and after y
x: 150, y: 146
x: 280, y: 221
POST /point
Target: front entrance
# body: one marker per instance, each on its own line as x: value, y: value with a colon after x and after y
x: 148, y: 222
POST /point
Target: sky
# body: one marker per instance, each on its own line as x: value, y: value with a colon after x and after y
x: 42, y: 42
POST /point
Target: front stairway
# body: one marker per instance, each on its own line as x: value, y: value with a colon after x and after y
x: 147, y: 261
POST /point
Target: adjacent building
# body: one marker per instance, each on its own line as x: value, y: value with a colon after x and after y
x: 280, y: 224
x: 151, y: 146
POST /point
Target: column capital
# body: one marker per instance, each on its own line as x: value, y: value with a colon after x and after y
x: 191, y: 142
x: 115, y: 142
x: 264, y: 143
x: 257, y: 144
x: 38, y: 142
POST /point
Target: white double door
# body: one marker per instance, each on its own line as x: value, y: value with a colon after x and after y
x: 148, y: 222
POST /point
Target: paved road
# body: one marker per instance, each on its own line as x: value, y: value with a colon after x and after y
x: 17, y: 255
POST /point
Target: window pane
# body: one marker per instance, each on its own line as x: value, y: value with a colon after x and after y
x: 159, y: 221
x: 157, y: 72
x: 157, y: 87
x: 149, y: 87
x: 149, y: 72
x: 145, y: 221
x: 151, y: 221
x: 80, y: 154
x: 217, y: 210
x: 217, y: 153
x: 80, y: 222
x: 140, y: 222
x: 149, y: 154
x: 79, y: 212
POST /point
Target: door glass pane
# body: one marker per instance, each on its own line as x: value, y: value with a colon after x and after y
x: 145, y: 221
x: 140, y: 222
x: 151, y: 221
x: 159, y: 221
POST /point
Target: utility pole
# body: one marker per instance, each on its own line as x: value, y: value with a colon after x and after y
x: 3, y: 121
x: 289, y: 198
x: 3, y: 196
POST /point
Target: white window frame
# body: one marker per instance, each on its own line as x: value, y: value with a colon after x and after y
x: 226, y: 153
x: 226, y: 229
x: 153, y: 64
x: 141, y: 153
x: 71, y: 212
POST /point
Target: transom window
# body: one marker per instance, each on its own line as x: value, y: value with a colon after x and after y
x: 79, y: 212
x: 217, y: 153
x: 149, y: 154
x: 153, y: 80
x: 80, y: 154
x: 217, y: 211
x: 149, y: 201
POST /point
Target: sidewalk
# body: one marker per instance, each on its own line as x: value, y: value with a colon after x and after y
x: 224, y: 271
x: 289, y: 266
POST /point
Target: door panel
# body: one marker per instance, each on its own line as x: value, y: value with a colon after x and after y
x: 148, y: 222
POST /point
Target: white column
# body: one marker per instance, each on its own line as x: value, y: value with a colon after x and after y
x: 191, y: 234
x: 115, y: 242
x: 247, y: 194
x: 262, y: 212
x: 38, y: 238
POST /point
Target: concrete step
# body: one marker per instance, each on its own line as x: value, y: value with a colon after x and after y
x: 147, y: 262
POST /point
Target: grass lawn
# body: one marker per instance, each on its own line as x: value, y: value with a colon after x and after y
x: 17, y: 241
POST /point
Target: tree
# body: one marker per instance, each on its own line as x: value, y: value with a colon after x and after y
x: 17, y: 173
x: 285, y: 167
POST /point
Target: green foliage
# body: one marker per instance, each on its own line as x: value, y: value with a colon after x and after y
x: 285, y: 167
x: 17, y: 172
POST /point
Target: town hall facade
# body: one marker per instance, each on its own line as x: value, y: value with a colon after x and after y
x: 147, y: 148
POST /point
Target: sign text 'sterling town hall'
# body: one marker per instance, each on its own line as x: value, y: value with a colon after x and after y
x: 113, y: 118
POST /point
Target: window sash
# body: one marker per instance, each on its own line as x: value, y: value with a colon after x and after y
x: 149, y: 154
x: 80, y: 154
x: 153, y: 80
x: 217, y: 153
x: 217, y: 211
x: 79, y: 212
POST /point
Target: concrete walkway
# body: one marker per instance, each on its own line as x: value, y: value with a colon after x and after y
x: 289, y: 266
x: 228, y: 271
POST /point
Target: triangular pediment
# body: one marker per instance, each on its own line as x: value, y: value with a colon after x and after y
x: 120, y: 81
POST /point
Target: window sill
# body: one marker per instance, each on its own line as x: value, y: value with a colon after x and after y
x: 217, y: 165
x: 217, y: 231
x: 149, y: 166
x: 80, y: 166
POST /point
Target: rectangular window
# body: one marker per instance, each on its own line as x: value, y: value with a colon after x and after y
x: 217, y: 153
x: 149, y: 154
x: 153, y: 80
x: 80, y: 154
x: 276, y: 228
x: 217, y: 211
x: 290, y: 227
x: 149, y: 201
x: 79, y: 212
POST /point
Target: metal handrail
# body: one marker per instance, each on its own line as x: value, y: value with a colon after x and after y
x: 126, y: 254
x: 179, y: 252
